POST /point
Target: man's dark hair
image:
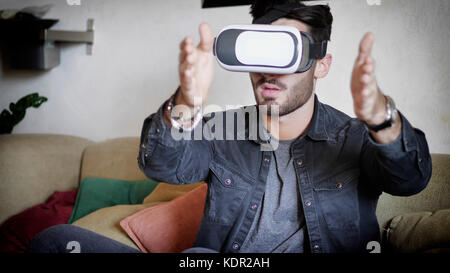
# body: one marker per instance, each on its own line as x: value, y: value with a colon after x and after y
x: 317, y: 17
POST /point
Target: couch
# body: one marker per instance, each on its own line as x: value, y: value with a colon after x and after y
x: 33, y: 166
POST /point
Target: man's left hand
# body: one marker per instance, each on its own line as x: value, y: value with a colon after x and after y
x: 368, y: 102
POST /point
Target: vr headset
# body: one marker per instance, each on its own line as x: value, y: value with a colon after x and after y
x: 265, y: 48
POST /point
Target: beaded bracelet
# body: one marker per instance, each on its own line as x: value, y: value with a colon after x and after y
x: 179, y: 122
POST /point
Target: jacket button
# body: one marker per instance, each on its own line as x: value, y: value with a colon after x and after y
x: 254, y: 206
x: 228, y: 181
x: 339, y: 185
x: 235, y: 246
x: 299, y: 162
x: 308, y: 203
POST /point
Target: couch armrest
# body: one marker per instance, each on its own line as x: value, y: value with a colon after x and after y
x: 33, y: 166
x: 418, y: 232
x: 435, y: 196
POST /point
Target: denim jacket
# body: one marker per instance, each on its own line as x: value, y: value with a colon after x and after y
x: 340, y: 169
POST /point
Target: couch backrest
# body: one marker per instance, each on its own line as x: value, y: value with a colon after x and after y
x: 117, y: 158
x: 113, y: 158
x: 434, y: 197
x: 33, y: 166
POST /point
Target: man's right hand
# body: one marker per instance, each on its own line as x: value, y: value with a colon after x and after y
x: 196, y: 68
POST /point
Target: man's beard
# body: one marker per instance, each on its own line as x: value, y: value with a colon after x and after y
x: 296, y: 97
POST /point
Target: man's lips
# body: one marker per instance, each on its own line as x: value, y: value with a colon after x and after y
x: 269, y: 90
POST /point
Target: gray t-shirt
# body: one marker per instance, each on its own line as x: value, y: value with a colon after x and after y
x: 279, y: 222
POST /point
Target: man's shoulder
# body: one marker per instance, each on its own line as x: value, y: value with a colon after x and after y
x: 334, y: 115
x: 336, y: 120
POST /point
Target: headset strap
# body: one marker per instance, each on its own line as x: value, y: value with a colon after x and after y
x: 318, y: 50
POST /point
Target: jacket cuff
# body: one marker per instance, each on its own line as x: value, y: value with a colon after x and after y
x: 404, y: 143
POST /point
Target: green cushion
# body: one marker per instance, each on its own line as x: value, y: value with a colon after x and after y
x: 97, y: 193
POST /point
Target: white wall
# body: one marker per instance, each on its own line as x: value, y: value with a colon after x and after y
x: 133, y: 68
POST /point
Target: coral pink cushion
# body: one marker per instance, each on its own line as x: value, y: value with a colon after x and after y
x: 170, y: 227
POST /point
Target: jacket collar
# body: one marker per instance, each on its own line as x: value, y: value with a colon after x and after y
x: 317, y: 129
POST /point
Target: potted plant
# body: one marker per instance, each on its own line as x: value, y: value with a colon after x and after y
x: 17, y: 111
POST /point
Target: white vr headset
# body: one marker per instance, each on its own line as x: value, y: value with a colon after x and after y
x: 266, y: 49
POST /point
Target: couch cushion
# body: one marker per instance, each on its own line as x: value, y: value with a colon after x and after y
x: 17, y: 231
x: 97, y: 193
x: 113, y: 158
x: 166, y: 192
x: 33, y: 166
x: 106, y: 221
x: 170, y: 227
x: 419, y: 232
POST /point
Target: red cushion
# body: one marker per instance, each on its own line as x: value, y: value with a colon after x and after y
x: 18, y: 230
x: 170, y: 227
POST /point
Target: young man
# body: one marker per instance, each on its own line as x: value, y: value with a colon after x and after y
x: 317, y: 190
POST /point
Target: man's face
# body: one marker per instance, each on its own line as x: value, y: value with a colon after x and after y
x: 288, y: 91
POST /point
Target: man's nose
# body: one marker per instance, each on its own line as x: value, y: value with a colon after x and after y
x: 269, y: 76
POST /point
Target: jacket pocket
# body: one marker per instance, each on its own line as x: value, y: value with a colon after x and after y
x: 226, y: 192
x: 337, y: 198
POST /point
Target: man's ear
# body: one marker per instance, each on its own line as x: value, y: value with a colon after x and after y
x: 323, y: 66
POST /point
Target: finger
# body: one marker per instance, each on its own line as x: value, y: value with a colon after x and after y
x: 369, y: 60
x: 367, y: 68
x: 365, y: 79
x: 365, y: 47
x: 188, y: 63
x: 206, y: 38
x: 185, y: 45
x: 189, y: 60
x: 186, y: 60
x: 187, y: 40
x: 186, y: 78
x: 186, y: 51
x: 181, y: 56
x: 185, y: 66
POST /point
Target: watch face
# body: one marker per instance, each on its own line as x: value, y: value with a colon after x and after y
x: 393, y: 109
x: 391, y: 116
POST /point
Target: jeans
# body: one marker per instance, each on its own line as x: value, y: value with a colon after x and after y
x: 73, y: 239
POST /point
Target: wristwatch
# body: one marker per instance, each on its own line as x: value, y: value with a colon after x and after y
x: 391, y: 116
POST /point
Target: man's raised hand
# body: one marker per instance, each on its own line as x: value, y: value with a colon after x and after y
x: 368, y: 101
x: 196, y: 68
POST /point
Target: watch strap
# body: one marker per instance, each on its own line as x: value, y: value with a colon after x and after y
x: 391, y: 117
